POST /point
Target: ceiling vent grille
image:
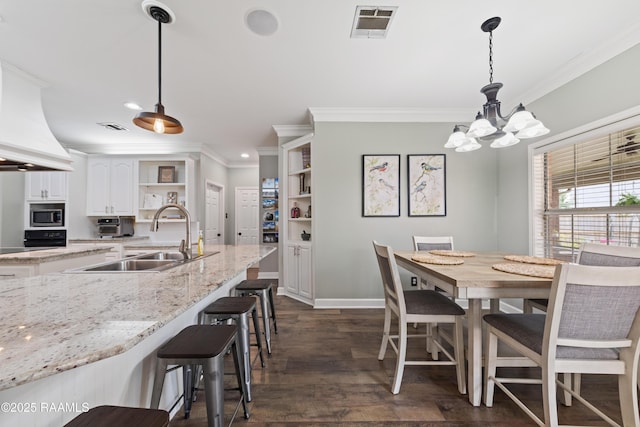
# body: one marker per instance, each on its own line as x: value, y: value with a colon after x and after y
x: 372, y: 22
x: 113, y: 126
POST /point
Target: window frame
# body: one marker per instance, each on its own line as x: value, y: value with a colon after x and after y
x: 598, y: 129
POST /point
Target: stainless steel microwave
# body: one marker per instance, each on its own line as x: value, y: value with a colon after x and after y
x: 47, y: 218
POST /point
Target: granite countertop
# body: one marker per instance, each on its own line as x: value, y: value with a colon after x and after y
x: 48, y: 255
x: 59, y: 321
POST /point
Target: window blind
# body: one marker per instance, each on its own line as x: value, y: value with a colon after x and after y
x: 588, y: 191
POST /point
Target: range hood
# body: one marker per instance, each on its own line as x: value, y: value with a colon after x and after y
x: 26, y: 142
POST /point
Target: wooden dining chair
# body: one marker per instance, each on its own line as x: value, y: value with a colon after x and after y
x: 579, y: 334
x: 420, y: 306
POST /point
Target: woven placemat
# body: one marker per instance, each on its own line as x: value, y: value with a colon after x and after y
x: 432, y: 259
x: 544, y: 271
x: 533, y: 259
x: 449, y: 252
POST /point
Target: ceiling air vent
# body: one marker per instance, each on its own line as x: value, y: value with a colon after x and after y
x: 371, y: 22
x: 113, y: 126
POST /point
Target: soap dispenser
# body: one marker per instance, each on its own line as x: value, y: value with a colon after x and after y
x: 200, y: 243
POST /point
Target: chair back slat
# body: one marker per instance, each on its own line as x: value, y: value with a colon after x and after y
x: 430, y: 243
x: 390, y: 277
x: 605, y: 255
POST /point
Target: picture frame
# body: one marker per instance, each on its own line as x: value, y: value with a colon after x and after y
x: 380, y: 185
x: 427, y: 184
x: 166, y: 174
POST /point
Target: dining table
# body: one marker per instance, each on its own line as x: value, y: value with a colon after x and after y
x: 475, y: 280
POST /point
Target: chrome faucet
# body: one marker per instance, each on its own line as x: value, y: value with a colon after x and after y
x: 185, y: 244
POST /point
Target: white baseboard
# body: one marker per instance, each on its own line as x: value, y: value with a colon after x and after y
x: 268, y: 275
x: 349, y: 303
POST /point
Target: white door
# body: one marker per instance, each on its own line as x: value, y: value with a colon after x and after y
x: 213, y: 211
x: 247, y: 216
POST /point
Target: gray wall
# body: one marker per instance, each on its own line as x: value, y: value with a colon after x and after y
x: 608, y: 89
x: 345, y: 266
x: 12, y: 216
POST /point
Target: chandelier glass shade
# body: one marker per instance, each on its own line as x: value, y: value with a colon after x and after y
x: 158, y: 121
x: 490, y: 125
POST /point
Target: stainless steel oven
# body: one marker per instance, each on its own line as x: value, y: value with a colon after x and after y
x: 45, y: 238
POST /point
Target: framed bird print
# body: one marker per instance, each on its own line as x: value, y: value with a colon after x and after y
x: 427, y: 185
x: 381, y: 185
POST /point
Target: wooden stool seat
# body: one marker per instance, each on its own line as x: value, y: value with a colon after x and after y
x: 196, y: 342
x: 109, y: 416
x: 230, y: 305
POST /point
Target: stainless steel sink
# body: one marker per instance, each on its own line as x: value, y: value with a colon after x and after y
x: 133, y: 265
x: 162, y: 256
x: 147, y: 263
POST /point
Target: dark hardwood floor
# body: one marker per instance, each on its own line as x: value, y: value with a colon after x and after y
x: 324, y: 371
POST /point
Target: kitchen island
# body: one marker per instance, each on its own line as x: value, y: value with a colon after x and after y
x: 81, y: 340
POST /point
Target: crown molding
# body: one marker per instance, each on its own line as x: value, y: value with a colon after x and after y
x: 267, y: 151
x: 292, y: 130
x: 583, y: 63
x: 389, y: 115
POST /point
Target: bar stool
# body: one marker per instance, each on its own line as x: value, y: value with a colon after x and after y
x: 203, y: 345
x: 109, y: 416
x: 264, y: 289
x: 238, y: 309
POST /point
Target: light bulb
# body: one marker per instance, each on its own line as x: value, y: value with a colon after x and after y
x: 158, y: 126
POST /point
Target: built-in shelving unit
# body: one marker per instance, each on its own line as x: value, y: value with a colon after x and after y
x: 161, y: 182
x: 297, y: 219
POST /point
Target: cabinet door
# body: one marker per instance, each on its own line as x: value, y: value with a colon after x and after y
x: 305, y: 274
x: 98, y: 184
x: 291, y: 270
x: 56, y: 185
x: 121, y: 187
x: 35, y: 185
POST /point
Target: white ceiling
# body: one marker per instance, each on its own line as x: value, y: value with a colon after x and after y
x: 228, y: 86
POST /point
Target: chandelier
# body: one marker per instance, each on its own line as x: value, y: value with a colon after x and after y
x: 157, y: 121
x: 491, y: 125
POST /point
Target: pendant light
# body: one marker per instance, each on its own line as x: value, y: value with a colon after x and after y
x: 491, y: 125
x: 158, y: 121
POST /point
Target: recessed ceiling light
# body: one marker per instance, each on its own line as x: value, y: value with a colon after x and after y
x: 244, y: 155
x: 133, y: 106
x: 262, y: 22
x: 2, y: 159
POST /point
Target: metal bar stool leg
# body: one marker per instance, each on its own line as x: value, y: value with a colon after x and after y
x: 265, y: 320
x: 273, y: 310
x: 242, y: 385
x: 243, y: 347
x: 213, y: 373
x: 158, y: 383
x: 256, y: 328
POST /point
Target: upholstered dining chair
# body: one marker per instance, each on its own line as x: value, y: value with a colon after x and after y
x: 591, y: 254
x: 421, y: 306
x: 594, y: 254
x: 429, y: 243
x: 579, y: 334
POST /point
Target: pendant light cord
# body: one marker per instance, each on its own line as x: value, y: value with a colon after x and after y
x: 159, y: 62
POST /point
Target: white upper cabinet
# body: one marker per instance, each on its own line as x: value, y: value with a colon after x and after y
x: 110, y: 186
x: 46, y: 186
